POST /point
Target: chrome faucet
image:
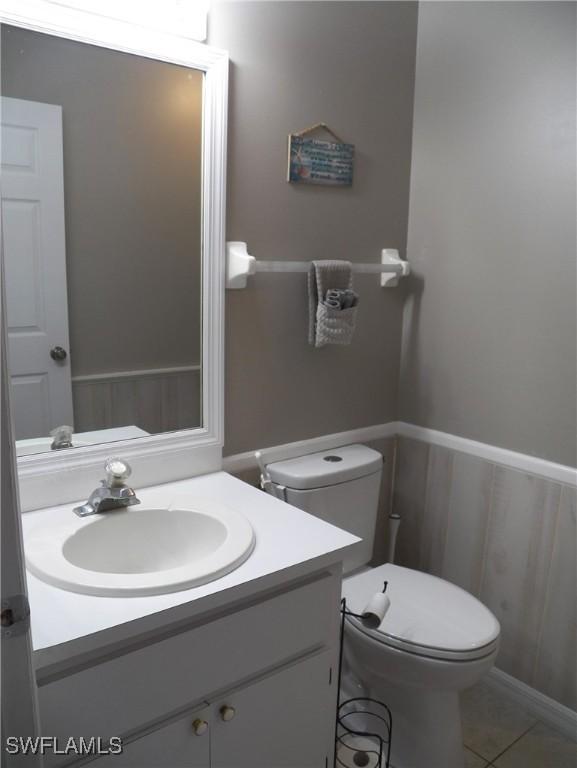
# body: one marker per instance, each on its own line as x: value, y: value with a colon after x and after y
x: 113, y: 493
x: 62, y: 438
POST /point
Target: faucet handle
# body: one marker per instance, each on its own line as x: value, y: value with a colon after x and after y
x: 117, y: 471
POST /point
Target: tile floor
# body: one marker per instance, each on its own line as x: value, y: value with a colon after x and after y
x: 499, y: 733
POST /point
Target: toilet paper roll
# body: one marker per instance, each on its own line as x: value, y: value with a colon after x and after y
x: 375, y: 610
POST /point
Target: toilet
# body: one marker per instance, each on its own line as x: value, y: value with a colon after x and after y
x: 435, y: 640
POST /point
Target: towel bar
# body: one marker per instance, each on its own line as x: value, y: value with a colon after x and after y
x: 239, y: 265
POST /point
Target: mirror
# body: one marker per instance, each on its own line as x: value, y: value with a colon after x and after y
x: 102, y: 197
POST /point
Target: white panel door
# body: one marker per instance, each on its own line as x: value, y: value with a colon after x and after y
x: 35, y: 266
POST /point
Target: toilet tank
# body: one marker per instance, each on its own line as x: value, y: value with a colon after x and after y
x: 340, y: 486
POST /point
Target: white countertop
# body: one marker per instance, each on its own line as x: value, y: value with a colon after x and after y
x: 285, y: 537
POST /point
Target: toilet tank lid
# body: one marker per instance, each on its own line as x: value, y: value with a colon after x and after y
x: 330, y: 467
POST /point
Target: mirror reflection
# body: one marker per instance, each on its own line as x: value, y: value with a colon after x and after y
x: 101, y: 214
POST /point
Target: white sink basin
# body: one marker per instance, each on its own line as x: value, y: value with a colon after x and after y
x: 140, y: 550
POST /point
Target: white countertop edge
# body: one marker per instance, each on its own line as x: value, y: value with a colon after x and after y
x: 57, y: 661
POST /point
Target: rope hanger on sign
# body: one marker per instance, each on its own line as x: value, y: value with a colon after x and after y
x: 316, y: 127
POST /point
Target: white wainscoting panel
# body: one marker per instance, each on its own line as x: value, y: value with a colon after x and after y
x: 507, y: 536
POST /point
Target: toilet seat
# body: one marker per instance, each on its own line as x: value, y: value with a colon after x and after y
x: 428, y: 616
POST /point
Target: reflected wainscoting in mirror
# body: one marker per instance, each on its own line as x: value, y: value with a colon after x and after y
x: 101, y: 213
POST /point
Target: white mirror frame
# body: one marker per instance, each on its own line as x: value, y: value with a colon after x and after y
x: 58, y: 477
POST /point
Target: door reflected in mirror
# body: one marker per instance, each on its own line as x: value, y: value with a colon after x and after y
x: 101, y: 214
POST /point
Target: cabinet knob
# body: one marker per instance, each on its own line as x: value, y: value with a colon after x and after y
x: 200, y: 727
x: 227, y: 713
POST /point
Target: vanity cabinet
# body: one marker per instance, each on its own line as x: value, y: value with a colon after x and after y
x: 255, y: 686
x: 280, y: 721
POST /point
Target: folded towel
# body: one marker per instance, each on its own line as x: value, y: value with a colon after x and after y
x: 339, y: 299
x: 332, y: 303
x: 332, y: 300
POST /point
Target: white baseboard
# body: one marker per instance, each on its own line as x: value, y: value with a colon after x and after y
x: 240, y: 462
x: 547, y: 710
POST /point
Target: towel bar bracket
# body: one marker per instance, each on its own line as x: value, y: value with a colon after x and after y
x: 240, y: 264
x: 390, y: 258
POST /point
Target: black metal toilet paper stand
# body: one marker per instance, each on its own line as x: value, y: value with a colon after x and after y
x: 363, y: 725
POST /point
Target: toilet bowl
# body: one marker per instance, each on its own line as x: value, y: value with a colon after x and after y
x: 434, y: 641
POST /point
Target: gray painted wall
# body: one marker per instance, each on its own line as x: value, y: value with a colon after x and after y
x: 132, y: 129
x: 351, y: 65
x: 489, y: 334
x: 489, y: 339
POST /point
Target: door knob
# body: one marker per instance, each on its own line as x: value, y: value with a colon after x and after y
x: 200, y: 727
x: 227, y: 713
x: 58, y: 353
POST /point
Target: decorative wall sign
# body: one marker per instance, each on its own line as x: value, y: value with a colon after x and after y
x: 313, y: 161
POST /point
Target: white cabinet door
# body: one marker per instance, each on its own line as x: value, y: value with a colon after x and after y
x: 183, y: 743
x: 35, y: 266
x: 283, y: 721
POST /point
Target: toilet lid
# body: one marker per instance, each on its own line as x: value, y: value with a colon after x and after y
x: 428, y: 616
